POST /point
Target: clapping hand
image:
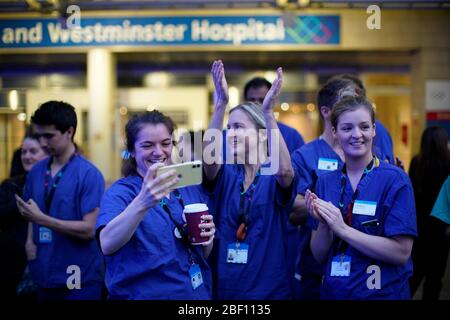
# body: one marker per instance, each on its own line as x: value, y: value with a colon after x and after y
x: 271, y: 96
x: 220, y: 84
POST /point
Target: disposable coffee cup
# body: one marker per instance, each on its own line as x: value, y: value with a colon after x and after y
x: 193, y: 213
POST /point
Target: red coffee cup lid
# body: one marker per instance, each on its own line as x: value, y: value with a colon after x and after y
x: 195, y: 207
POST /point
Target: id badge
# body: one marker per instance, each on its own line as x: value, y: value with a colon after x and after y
x: 196, y: 276
x: 340, y: 266
x: 327, y: 164
x: 237, y: 253
x: 366, y: 208
x: 45, y: 235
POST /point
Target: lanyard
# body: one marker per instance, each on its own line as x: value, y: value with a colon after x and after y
x: 182, y: 231
x: 48, y: 176
x: 348, y: 212
x: 244, y: 212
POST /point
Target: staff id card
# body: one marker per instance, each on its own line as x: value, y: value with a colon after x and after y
x: 237, y: 253
x: 340, y: 266
x: 327, y: 164
x: 196, y: 276
x: 45, y: 235
x: 366, y: 208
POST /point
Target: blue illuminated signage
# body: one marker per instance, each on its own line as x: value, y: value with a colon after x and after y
x: 238, y: 31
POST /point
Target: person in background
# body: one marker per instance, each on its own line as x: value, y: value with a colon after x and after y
x: 428, y: 171
x: 252, y: 207
x: 17, y: 168
x: 441, y: 208
x: 13, y: 227
x: 140, y: 226
x: 364, y: 215
x: 255, y: 90
x: 61, y: 198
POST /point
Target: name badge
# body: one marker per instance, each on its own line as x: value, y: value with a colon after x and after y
x: 340, y: 266
x: 196, y: 276
x: 237, y: 253
x: 366, y: 208
x: 45, y: 235
x: 327, y: 164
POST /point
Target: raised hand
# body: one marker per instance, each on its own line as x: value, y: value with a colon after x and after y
x: 271, y: 96
x: 220, y: 85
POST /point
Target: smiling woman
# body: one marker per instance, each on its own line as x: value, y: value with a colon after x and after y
x: 364, y: 215
x: 251, y: 204
x: 141, y: 222
x: 13, y: 227
x: 149, y: 141
x: 353, y: 124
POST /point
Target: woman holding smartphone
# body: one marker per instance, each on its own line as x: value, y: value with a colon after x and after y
x: 365, y: 219
x: 141, y: 227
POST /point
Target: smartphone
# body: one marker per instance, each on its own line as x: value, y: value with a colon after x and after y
x: 190, y: 173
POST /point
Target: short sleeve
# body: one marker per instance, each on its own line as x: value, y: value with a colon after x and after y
x: 383, y: 141
x: 297, y: 140
x: 92, y: 189
x: 400, y: 217
x: 115, y: 200
x: 217, y: 185
x: 285, y: 197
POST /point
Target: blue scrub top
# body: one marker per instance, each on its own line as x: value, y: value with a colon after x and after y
x: 79, y: 192
x: 265, y: 276
x: 391, y: 189
x: 153, y: 264
x: 291, y: 136
x: 293, y: 141
x: 382, y: 143
x: 305, y: 162
x: 441, y: 208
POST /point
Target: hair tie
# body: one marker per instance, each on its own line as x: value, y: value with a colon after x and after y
x: 125, y: 155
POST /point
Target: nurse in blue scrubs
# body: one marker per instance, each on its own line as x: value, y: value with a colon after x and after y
x: 141, y: 227
x: 364, y: 215
x: 382, y: 144
x: 252, y: 198
x: 61, y: 199
x: 318, y: 157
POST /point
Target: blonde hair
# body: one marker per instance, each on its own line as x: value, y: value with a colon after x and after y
x: 254, y: 111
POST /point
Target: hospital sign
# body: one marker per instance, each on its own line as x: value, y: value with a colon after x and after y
x: 160, y: 31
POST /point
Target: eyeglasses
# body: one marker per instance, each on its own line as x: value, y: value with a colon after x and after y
x: 46, y: 136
